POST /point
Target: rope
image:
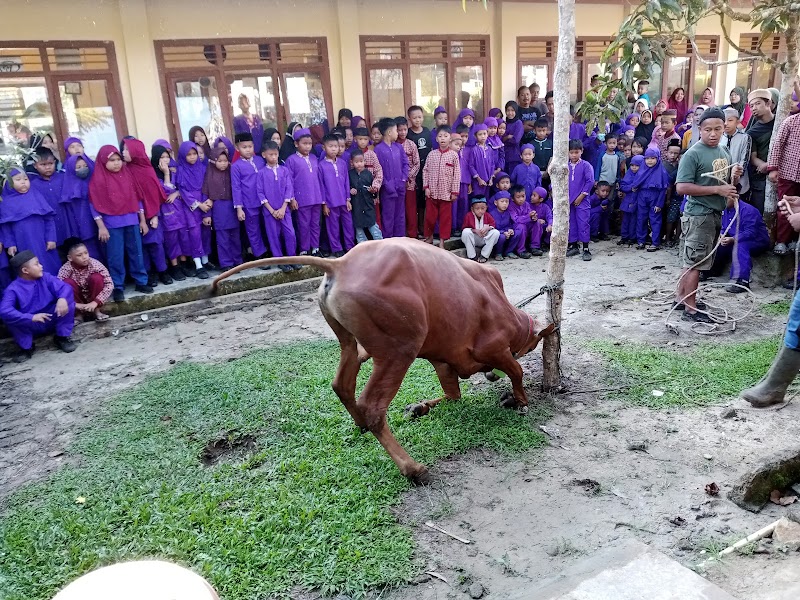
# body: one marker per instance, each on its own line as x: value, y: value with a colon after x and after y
x: 543, y: 290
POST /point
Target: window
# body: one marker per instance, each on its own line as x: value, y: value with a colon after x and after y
x: 536, y: 62
x: 222, y: 85
x: 536, y: 58
x: 61, y: 88
x: 755, y: 74
x: 427, y: 71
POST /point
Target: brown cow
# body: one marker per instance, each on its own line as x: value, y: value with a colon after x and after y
x: 399, y: 299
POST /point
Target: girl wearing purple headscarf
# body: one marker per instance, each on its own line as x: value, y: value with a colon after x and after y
x: 75, y: 196
x: 629, y: 203
x: 482, y: 165
x: 27, y: 221
x: 466, y: 117
x: 189, y: 181
x: 514, y: 132
x: 494, y: 141
x: 651, y: 185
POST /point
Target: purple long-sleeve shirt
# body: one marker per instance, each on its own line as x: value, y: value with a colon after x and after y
x: 305, y: 179
x: 520, y: 213
x: 24, y: 298
x: 464, y: 156
x: 274, y: 184
x: 244, y: 175
x: 394, y: 163
x: 52, y: 189
x: 543, y: 211
x: 528, y: 176
x: 503, y: 220
x: 334, y: 179
x: 581, y: 180
x: 481, y: 164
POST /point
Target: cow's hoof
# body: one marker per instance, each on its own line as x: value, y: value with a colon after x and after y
x: 415, y: 411
x: 491, y: 376
x: 507, y: 400
x: 423, y: 477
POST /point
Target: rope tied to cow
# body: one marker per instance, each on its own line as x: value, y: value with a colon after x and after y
x: 545, y: 289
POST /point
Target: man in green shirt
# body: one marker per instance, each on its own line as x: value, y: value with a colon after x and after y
x: 703, y: 174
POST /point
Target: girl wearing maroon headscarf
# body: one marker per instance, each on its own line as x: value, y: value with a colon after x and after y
x: 116, y: 205
x: 153, y: 196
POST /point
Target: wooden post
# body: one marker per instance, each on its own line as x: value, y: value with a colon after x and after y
x: 565, y: 63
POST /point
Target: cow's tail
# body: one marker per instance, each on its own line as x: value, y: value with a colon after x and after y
x: 328, y: 265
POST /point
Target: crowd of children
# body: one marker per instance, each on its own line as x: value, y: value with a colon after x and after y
x: 152, y: 218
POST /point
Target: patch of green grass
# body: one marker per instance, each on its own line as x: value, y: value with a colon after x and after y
x: 308, y: 509
x: 776, y: 309
x: 705, y: 374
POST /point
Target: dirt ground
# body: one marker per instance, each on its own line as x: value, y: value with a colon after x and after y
x: 526, y: 519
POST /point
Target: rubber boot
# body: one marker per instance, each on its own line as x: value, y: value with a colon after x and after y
x: 772, y: 388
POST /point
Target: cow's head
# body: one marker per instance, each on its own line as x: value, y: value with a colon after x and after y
x: 535, y: 332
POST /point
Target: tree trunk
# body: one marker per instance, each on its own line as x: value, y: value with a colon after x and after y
x: 787, y: 87
x: 565, y: 63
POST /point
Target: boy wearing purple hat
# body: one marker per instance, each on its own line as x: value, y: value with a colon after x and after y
x: 37, y: 303
x: 244, y: 179
x: 542, y: 221
x: 527, y: 174
x: 503, y: 223
x: 304, y: 169
x: 481, y: 162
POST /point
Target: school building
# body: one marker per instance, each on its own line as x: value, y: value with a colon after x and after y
x: 154, y: 68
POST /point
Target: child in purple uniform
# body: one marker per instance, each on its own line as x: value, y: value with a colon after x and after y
x: 651, y: 185
x: 334, y: 178
x: 189, y: 181
x: 274, y: 188
x: 629, y: 202
x: 37, y: 303
x: 173, y: 220
x: 49, y: 183
x: 75, y: 198
x: 523, y: 216
x: 504, y: 224
x: 482, y: 162
x: 244, y: 177
x: 394, y: 164
x: 27, y: 221
x: 217, y: 189
x: 527, y: 174
x: 542, y: 221
x: 601, y: 210
x: 581, y: 182
x: 304, y: 169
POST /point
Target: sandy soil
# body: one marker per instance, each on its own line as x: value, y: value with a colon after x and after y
x: 526, y: 518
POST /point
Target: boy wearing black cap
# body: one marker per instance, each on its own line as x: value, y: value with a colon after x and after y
x: 704, y: 174
x: 37, y: 303
x: 479, y: 231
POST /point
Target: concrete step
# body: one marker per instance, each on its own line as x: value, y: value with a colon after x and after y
x: 632, y: 571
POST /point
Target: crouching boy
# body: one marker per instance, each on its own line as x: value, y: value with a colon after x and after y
x: 479, y: 231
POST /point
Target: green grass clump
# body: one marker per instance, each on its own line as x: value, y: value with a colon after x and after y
x: 706, y: 374
x: 308, y: 509
x: 776, y: 309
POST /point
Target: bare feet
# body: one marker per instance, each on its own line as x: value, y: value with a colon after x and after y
x: 100, y: 316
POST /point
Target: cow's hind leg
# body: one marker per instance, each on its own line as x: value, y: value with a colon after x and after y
x: 344, y: 383
x: 448, y: 378
x: 382, y: 387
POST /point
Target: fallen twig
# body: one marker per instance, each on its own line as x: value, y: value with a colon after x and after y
x: 616, y: 389
x: 760, y: 534
x: 435, y: 574
x: 440, y: 530
x: 635, y: 528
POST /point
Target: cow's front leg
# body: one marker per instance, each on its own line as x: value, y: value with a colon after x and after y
x: 509, y: 365
x: 448, y: 378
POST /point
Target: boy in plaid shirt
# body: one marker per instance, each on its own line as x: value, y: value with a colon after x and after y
x: 441, y: 180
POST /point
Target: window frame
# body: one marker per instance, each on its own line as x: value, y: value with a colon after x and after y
x: 52, y: 77
x: 404, y: 64
x: 272, y: 67
x: 776, y: 52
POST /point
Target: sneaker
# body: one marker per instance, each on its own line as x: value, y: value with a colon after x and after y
x: 640, y: 246
x: 23, y: 355
x: 573, y: 251
x: 303, y: 253
x: 164, y: 278
x: 64, y: 344
x: 654, y: 248
x: 152, y: 279
x: 297, y: 267
x: 209, y: 266
x: 699, y: 304
x: 201, y: 273
x: 526, y: 255
x: 144, y: 289
x: 622, y: 242
x: 780, y: 249
x: 177, y: 273
x: 594, y: 239
x: 587, y: 256
x: 536, y: 252
x: 512, y: 255
x: 188, y: 269
x: 697, y: 317
x: 499, y: 258
x: 740, y: 288
x: 118, y: 295
x: 315, y: 252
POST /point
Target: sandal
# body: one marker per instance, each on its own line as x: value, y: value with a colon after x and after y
x: 481, y: 260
